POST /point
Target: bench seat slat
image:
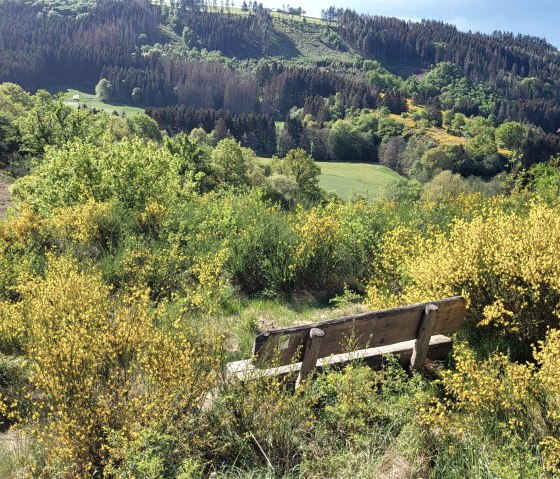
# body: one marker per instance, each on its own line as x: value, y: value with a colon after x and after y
x: 439, y: 348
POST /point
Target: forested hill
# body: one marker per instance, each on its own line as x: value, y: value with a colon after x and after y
x: 484, y: 58
x: 164, y: 52
x: 525, y: 69
x: 198, y: 65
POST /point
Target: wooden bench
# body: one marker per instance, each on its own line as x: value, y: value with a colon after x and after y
x: 413, y: 333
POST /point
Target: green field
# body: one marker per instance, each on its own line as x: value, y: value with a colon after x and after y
x: 349, y: 179
x: 87, y: 97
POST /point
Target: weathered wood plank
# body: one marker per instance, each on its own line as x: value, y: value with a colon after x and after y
x: 440, y: 347
x: 311, y: 354
x: 422, y: 343
x: 369, y: 330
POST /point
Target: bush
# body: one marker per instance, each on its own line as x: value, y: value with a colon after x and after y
x: 101, y: 366
x: 255, y: 237
x: 336, y: 245
x: 306, y: 433
x: 153, y: 455
x: 445, y: 186
x: 547, y: 356
x: 14, y: 401
x: 130, y: 172
x: 503, y: 260
x: 506, y: 410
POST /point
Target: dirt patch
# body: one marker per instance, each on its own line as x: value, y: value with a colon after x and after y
x: 5, y: 197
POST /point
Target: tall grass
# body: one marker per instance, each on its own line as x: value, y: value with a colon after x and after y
x: 15, y: 455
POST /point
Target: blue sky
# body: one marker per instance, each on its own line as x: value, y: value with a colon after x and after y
x: 534, y: 17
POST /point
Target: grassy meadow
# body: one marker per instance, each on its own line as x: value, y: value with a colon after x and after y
x: 351, y: 179
x: 354, y: 179
x: 88, y: 98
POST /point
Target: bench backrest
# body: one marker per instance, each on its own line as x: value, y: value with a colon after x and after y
x: 367, y: 330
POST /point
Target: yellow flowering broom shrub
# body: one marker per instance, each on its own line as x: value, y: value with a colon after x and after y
x: 103, y: 365
x: 547, y: 356
x: 494, y: 389
x: 80, y: 223
x: 504, y: 258
x: 506, y: 263
x: 21, y: 244
x: 336, y: 245
x: 87, y: 231
x: 520, y: 403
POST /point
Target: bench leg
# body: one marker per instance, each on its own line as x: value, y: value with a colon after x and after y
x: 310, y: 354
x: 422, y: 344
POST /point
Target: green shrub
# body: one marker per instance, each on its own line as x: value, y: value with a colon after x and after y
x: 264, y: 422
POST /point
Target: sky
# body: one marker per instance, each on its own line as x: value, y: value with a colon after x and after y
x: 533, y: 17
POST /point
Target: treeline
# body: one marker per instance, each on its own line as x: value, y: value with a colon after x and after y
x: 540, y: 111
x: 485, y: 58
x: 63, y: 7
x: 255, y: 131
x: 36, y: 48
x: 106, y: 41
x: 524, y: 69
x: 509, y: 78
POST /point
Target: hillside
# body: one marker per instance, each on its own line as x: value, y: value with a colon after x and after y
x: 522, y: 70
x: 344, y: 88
x: 347, y: 88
